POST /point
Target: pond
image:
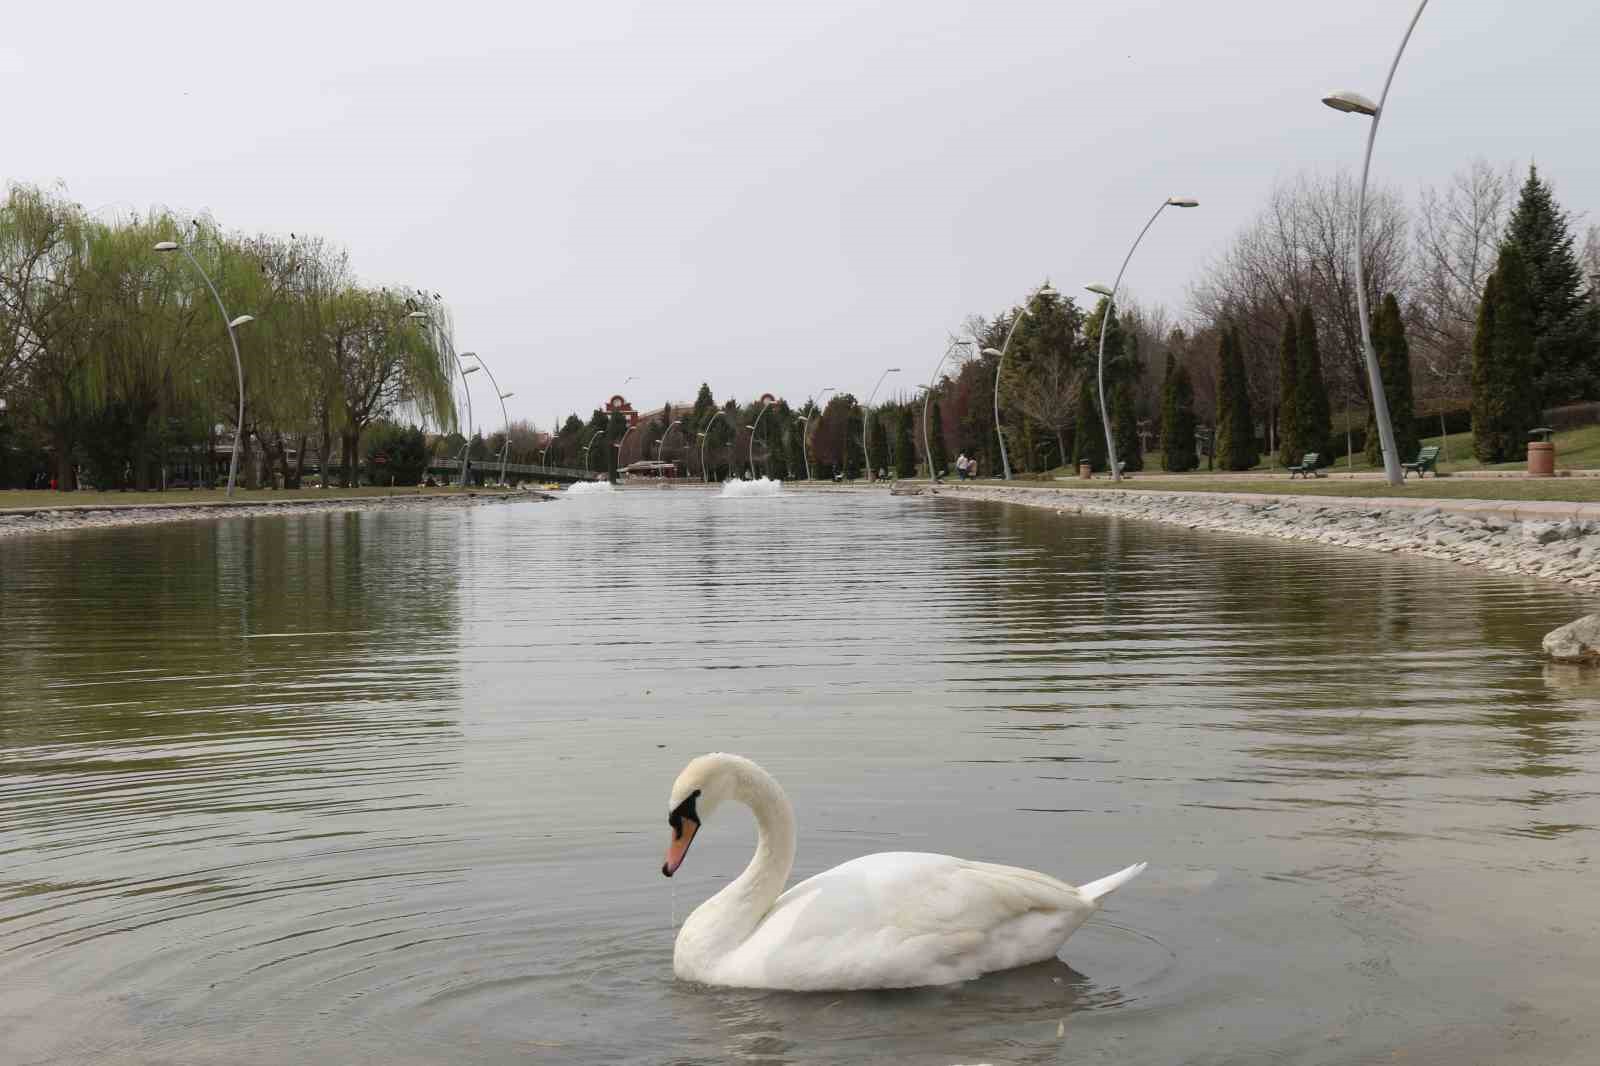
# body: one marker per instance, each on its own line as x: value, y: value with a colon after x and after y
x: 392, y: 787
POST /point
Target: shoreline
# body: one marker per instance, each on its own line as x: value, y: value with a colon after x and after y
x: 1551, y: 540
x: 22, y: 521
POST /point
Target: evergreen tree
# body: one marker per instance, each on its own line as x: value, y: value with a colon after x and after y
x: 905, y: 453
x: 1313, y: 413
x: 1236, y: 435
x: 705, y: 405
x: 1125, y: 427
x: 877, y: 443
x: 616, y: 426
x: 1177, y: 419
x: 794, y: 438
x: 1564, y: 345
x: 1289, y: 446
x: 1504, y: 407
x: 1394, y: 365
x: 941, y: 457
x: 1089, y: 438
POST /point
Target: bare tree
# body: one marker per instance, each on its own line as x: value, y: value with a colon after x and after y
x: 1459, y: 230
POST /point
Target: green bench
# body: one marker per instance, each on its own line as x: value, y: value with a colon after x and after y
x: 1309, y: 463
x: 1427, y: 459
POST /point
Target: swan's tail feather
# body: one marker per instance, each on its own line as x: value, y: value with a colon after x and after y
x: 1094, y: 890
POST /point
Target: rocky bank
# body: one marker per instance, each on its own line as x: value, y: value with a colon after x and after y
x: 21, y: 521
x: 1487, y: 535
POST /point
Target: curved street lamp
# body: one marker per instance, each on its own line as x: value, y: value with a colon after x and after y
x: 704, y: 436
x: 466, y: 447
x: 505, y: 444
x: 663, y: 441
x: 752, y: 429
x: 238, y: 364
x: 805, y: 444
x: 622, y: 439
x: 927, y: 395
x: 1046, y: 290
x: 590, y: 448
x: 1105, y: 324
x: 866, y: 414
x: 1356, y: 104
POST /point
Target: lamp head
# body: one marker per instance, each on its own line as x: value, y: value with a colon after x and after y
x: 1099, y: 289
x: 241, y: 320
x: 1351, y: 103
x: 507, y: 395
x: 1182, y: 201
x: 468, y: 370
x: 167, y: 246
x: 419, y: 316
x: 992, y: 351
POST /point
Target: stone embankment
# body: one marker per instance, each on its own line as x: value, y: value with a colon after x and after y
x: 18, y: 521
x: 1549, y: 541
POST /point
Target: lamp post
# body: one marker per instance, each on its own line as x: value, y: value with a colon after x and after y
x: 805, y: 427
x: 1046, y: 290
x: 621, y: 439
x: 1355, y: 103
x: 927, y: 395
x: 505, y: 444
x: 1105, y: 324
x: 866, y: 413
x: 752, y: 428
x: 238, y: 364
x: 466, y: 448
x: 590, y: 448
x: 663, y: 441
x: 704, y: 472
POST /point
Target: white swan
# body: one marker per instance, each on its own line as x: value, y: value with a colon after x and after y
x: 898, y: 919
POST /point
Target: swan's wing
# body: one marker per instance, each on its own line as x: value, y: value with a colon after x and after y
x: 905, y: 918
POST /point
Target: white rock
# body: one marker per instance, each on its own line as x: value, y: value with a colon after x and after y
x: 1575, y: 642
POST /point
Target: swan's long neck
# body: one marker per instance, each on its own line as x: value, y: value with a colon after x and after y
x: 735, y: 912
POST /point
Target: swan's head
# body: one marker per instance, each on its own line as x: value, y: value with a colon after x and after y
x: 698, y: 791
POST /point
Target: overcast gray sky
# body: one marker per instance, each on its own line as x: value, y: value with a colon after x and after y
x: 767, y: 197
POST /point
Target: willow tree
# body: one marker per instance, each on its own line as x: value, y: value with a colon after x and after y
x: 46, y: 334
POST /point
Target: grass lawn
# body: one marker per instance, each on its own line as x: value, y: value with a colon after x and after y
x: 1572, y: 490
x: 1576, y: 449
x: 28, y: 498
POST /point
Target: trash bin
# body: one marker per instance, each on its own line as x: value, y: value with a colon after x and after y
x: 1085, y: 471
x: 1541, y: 453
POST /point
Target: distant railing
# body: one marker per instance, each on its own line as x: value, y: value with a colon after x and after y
x: 491, y: 466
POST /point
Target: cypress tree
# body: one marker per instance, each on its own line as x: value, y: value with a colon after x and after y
x: 905, y: 453
x: 1394, y: 365
x: 1563, y: 357
x: 1177, y: 419
x: 878, y: 442
x: 1089, y: 440
x: 1289, y: 447
x: 1504, y: 407
x: 794, y: 440
x: 1313, y: 414
x: 1125, y: 427
x: 940, y: 458
x: 1236, y: 435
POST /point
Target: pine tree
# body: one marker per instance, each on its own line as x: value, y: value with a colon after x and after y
x: 905, y: 453
x: 705, y: 405
x: 1177, y: 419
x: 1313, y: 413
x: 1125, y: 428
x: 878, y: 442
x: 940, y: 457
x: 1394, y: 365
x: 1089, y: 440
x: 794, y: 446
x: 1504, y: 407
x: 1236, y: 438
x: 1564, y: 355
x: 1289, y: 446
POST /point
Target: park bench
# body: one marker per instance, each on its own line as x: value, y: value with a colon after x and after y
x: 1308, y: 467
x: 1427, y: 459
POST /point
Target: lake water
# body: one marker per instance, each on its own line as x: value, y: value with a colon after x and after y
x: 391, y: 787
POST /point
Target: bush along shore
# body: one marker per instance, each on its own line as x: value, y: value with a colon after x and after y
x: 22, y: 521
x: 1508, y: 538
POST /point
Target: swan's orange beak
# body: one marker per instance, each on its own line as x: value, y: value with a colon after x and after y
x: 682, y: 836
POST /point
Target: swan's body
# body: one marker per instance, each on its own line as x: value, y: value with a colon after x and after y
x: 891, y: 920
